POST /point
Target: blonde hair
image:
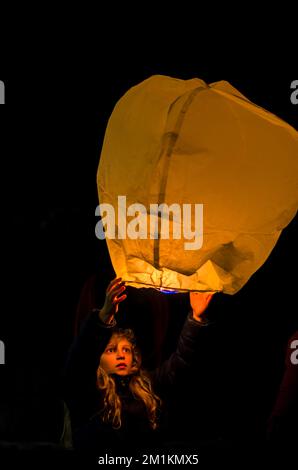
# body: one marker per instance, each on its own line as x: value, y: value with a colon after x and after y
x: 139, y: 384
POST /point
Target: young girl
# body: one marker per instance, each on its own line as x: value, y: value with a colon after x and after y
x: 113, y: 402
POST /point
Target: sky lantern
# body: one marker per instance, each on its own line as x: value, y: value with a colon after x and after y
x: 195, y: 185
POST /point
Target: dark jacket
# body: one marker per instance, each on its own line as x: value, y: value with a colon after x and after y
x: 84, y: 400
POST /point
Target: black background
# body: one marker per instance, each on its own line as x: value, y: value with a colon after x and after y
x: 52, y: 129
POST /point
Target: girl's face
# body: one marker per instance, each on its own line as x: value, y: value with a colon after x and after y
x: 117, y: 357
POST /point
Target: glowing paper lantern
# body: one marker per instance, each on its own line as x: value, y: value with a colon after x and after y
x: 170, y: 141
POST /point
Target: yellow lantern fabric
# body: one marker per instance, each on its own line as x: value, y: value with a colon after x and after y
x: 181, y: 142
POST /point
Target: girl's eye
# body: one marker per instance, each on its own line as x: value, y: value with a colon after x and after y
x: 127, y: 349
x: 110, y: 349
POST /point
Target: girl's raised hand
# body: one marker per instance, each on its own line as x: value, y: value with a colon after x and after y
x: 112, y: 300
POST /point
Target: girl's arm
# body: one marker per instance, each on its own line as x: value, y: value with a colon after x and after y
x: 194, y: 335
x: 83, y: 358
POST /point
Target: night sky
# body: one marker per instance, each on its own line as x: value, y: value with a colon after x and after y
x: 53, y: 126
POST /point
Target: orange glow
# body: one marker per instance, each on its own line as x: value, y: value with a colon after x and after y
x: 171, y: 141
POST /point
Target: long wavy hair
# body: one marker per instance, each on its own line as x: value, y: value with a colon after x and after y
x: 139, y: 384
